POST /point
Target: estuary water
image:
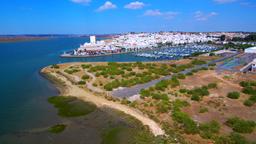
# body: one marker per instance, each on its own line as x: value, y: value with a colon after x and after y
x: 24, y: 92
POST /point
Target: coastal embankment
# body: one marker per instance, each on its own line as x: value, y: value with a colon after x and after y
x: 68, y: 89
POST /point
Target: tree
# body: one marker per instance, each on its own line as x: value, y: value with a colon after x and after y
x: 222, y: 38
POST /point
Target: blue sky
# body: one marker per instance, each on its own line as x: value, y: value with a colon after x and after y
x: 116, y: 16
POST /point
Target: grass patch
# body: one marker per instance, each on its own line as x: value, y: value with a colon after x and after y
x: 57, y: 128
x: 198, y: 93
x: 54, y: 80
x: 233, y: 138
x: 71, y: 106
x: 203, y: 110
x: 189, y: 125
x: 249, y: 88
x: 71, y: 70
x: 137, y: 134
x: 212, y: 85
x: 233, y: 95
x: 110, y: 136
x: 85, y: 77
x: 55, y: 66
x: 240, y: 125
x: 208, y: 130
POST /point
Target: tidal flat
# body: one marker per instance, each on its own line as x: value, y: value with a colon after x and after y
x: 97, y: 126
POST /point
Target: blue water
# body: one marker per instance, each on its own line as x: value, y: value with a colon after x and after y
x: 23, y: 92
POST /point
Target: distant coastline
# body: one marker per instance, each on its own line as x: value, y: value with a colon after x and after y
x: 22, y: 38
x: 8, y: 39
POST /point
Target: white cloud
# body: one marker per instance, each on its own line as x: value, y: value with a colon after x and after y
x: 224, y: 1
x: 200, y: 16
x: 170, y: 15
x: 153, y: 13
x: 135, y: 5
x: 81, y: 1
x: 248, y: 4
x: 166, y: 15
x: 106, y: 6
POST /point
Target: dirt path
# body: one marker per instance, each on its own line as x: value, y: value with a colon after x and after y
x: 90, y: 83
x: 73, y: 90
x: 227, y: 82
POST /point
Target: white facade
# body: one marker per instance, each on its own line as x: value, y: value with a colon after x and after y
x: 254, y: 65
x: 250, y: 50
x: 92, y: 39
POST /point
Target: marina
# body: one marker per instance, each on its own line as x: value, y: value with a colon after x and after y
x: 177, y: 52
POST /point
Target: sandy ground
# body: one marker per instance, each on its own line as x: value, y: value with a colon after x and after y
x: 73, y: 90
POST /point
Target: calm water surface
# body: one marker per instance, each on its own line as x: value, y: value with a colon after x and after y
x: 23, y: 92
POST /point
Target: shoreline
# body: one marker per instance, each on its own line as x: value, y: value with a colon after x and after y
x: 109, y: 54
x: 124, y: 52
x: 56, y: 83
x: 72, y: 90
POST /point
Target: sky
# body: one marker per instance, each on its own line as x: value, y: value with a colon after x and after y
x: 120, y: 16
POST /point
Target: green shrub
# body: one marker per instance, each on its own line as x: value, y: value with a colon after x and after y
x: 86, y: 66
x: 194, y: 70
x: 125, y: 101
x: 55, y: 66
x: 249, y: 90
x: 183, y: 90
x: 203, y: 91
x: 57, y: 128
x: 208, y: 129
x: 162, y: 85
x: 248, y: 83
x: 189, y: 74
x: 253, y: 98
x: 238, y: 139
x: 178, y: 104
x: 233, y: 138
x: 203, y: 68
x: 71, y: 70
x: 181, y: 76
x: 112, y: 85
x: 195, y: 98
x: 248, y: 103
x: 81, y: 83
x: 85, y: 77
x: 223, y: 140
x: 212, y: 85
x: 213, y: 64
x: 158, y: 96
x: 240, y: 125
x: 163, y: 106
x: 198, y: 62
x: 189, y: 125
x: 233, y: 95
x: 174, y: 82
x: 145, y: 93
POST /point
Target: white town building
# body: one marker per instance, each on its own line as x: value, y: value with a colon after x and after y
x: 250, y: 50
x: 92, y: 39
